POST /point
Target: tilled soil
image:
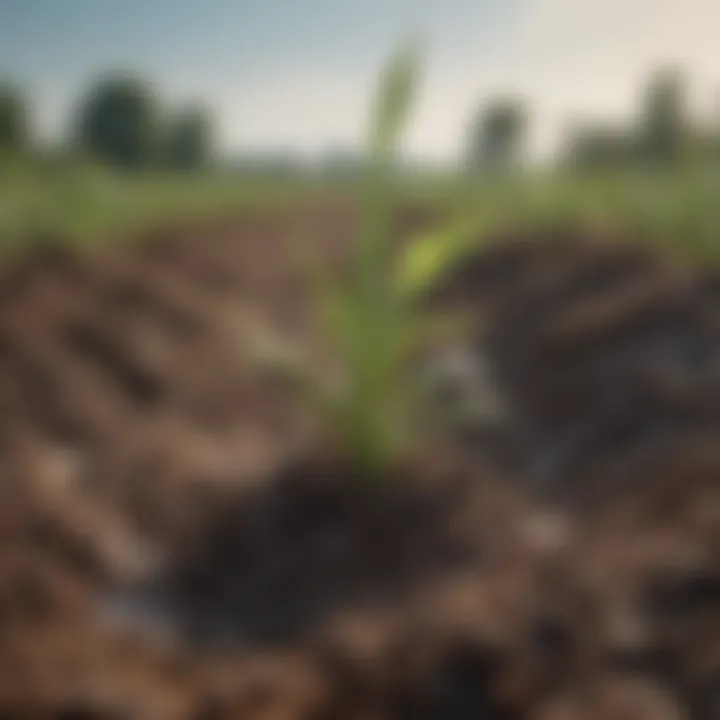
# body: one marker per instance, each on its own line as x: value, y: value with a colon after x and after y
x: 175, y: 545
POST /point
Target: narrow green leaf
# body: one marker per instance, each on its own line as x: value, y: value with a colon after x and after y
x: 395, y: 96
x: 429, y: 255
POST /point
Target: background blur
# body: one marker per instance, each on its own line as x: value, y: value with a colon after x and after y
x: 521, y: 523
x: 113, y: 115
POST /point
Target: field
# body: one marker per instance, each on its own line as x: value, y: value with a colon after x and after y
x: 82, y: 202
x: 336, y: 430
x: 75, y: 202
x: 181, y: 541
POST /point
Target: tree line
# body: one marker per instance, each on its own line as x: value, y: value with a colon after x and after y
x: 662, y: 133
x: 120, y: 121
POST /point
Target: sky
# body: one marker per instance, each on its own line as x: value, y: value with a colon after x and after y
x: 297, y: 74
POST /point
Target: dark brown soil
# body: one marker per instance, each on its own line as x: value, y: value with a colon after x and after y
x: 607, y: 356
x: 171, y: 546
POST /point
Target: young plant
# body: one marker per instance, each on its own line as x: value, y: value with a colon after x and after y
x: 368, y: 321
x: 371, y: 316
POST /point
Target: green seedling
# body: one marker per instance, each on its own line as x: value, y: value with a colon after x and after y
x: 371, y: 316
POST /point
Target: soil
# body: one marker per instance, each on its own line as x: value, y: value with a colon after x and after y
x: 177, y: 543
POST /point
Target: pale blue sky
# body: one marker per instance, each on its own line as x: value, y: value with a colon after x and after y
x: 297, y: 73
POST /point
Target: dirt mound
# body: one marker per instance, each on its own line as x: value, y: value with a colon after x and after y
x: 310, y: 541
x: 606, y: 355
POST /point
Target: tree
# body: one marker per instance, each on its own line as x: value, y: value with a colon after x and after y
x: 189, y: 140
x: 13, y: 119
x: 118, y: 122
x: 498, y: 137
x: 664, y: 130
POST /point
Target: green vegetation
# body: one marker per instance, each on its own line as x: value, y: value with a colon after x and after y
x: 664, y: 137
x: 676, y: 209
x: 188, y: 142
x: 369, y: 315
x: 371, y: 322
x: 84, y: 202
x: 13, y: 119
x: 499, y: 136
x: 133, y: 161
x: 122, y: 123
x: 119, y: 123
x: 367, y: 318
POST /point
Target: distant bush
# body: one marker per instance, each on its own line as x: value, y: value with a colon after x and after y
x: 663, y: 134
x: 595, y: 146
x: 665, y: 127
x: 188, y: 141
x: 117, y: 122
x: 14, y: 130
x: 499, y: 135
